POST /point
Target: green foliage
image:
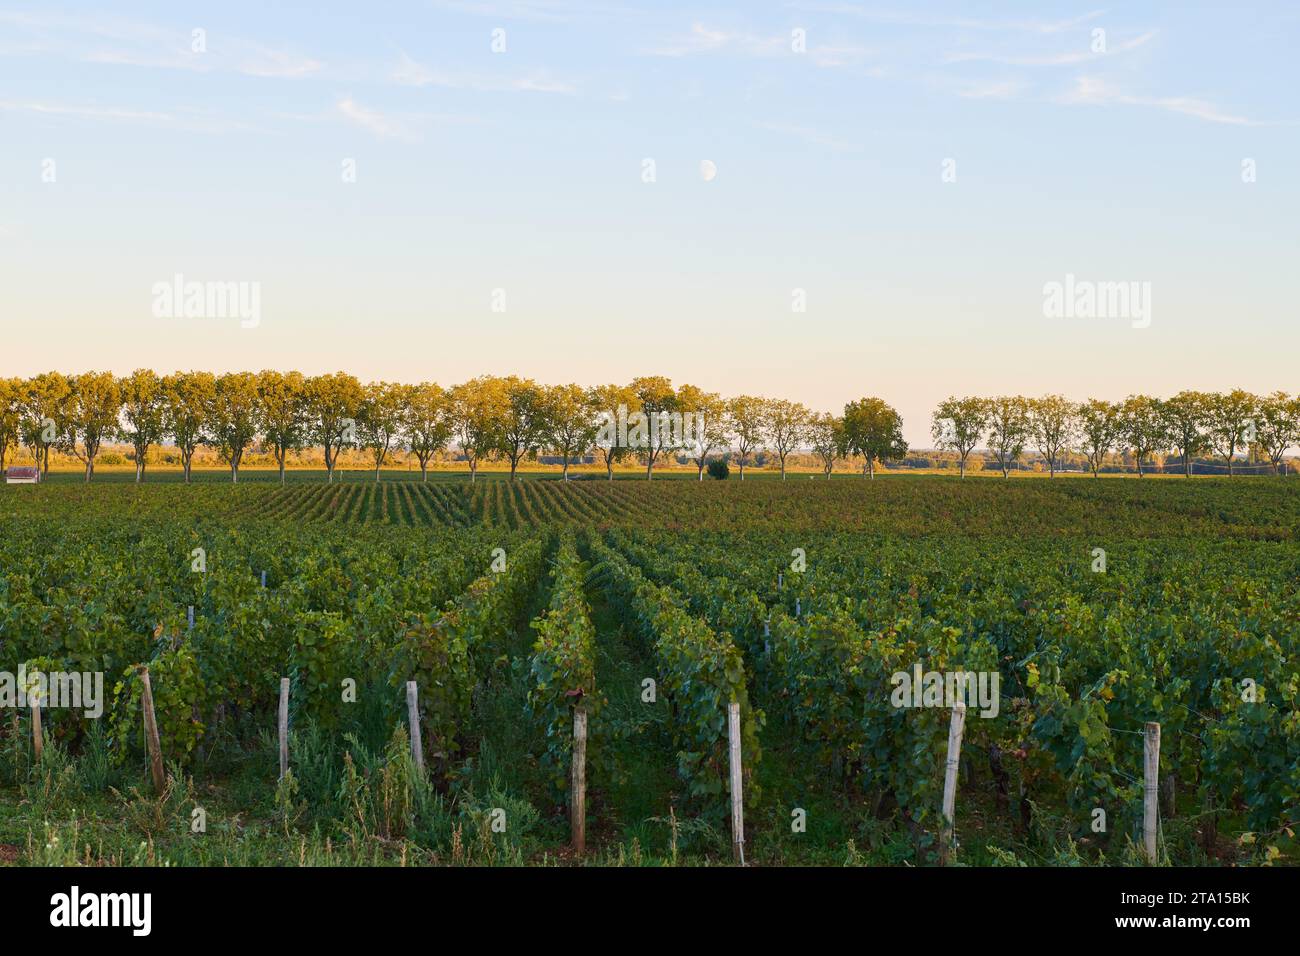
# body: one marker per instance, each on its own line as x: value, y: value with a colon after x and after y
x: 178, y: 697
x: 445, y: 653
x: 1193, y: 625
x: 563, y: 664
x: 700, y: 673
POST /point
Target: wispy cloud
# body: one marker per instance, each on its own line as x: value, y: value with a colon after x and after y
x: 371, y: 119
x: 991, y: 90
x: 85, y: 112
x: 1095, y: 91
x: 702, y: 40
x: 811, y: 136
x: 411, y: 73
x: 188, y: 120
x: 1060, y: 58
x: 383, y: 123
x: 913, y: 19
x: 118, y: 42
x: 555, y: 11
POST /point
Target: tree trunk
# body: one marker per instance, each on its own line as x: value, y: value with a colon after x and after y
x: 139, y: 467
x: 282, y: 458
x: 609, y: 468
x: 90, y: 467
x: 424, y: 470
x: 1169, y: 795
x: 962, y: 467
x: 1210, y: 828
x: 700, y: 467
x: 783, y: 467
x: 566, y: 467
x: 1001, y: 779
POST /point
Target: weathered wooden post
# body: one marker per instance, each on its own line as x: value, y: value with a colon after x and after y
x: 956, y: 728
x: 737, y: 775
x: 284, y: 726
x: 1150, y: 788
x: 578, y: 784
x: 413, y: 719
x: 151, y: 732
x: 38, y: 737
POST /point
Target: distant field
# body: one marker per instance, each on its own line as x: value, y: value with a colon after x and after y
x: 1243, y: 507
x: 247, y: 475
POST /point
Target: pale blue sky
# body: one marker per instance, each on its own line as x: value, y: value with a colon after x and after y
x: 522, y: 171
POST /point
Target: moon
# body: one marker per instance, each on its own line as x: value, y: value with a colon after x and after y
x: 708, y: 170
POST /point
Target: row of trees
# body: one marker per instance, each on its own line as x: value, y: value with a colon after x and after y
x: 511, y: 418
x: 516, y: 418
x: 1189, y: 424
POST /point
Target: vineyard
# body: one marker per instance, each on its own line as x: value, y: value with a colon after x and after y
x: 389, y: 672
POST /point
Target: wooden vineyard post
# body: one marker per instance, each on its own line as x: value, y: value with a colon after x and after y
x: 413, y: 718
x: 151, y: 732
x: 38, y: 737
x: 1210, y: 831
x: 578, y: 789
x: 737, y: 797
x: 955, y: 730
x: 1150, y: 788
x: 190, y: 617
x: 284, y: 726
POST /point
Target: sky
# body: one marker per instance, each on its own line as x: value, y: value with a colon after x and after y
x: 811, y: 200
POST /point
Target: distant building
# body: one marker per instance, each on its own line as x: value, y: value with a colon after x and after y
x: 22, y: 475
